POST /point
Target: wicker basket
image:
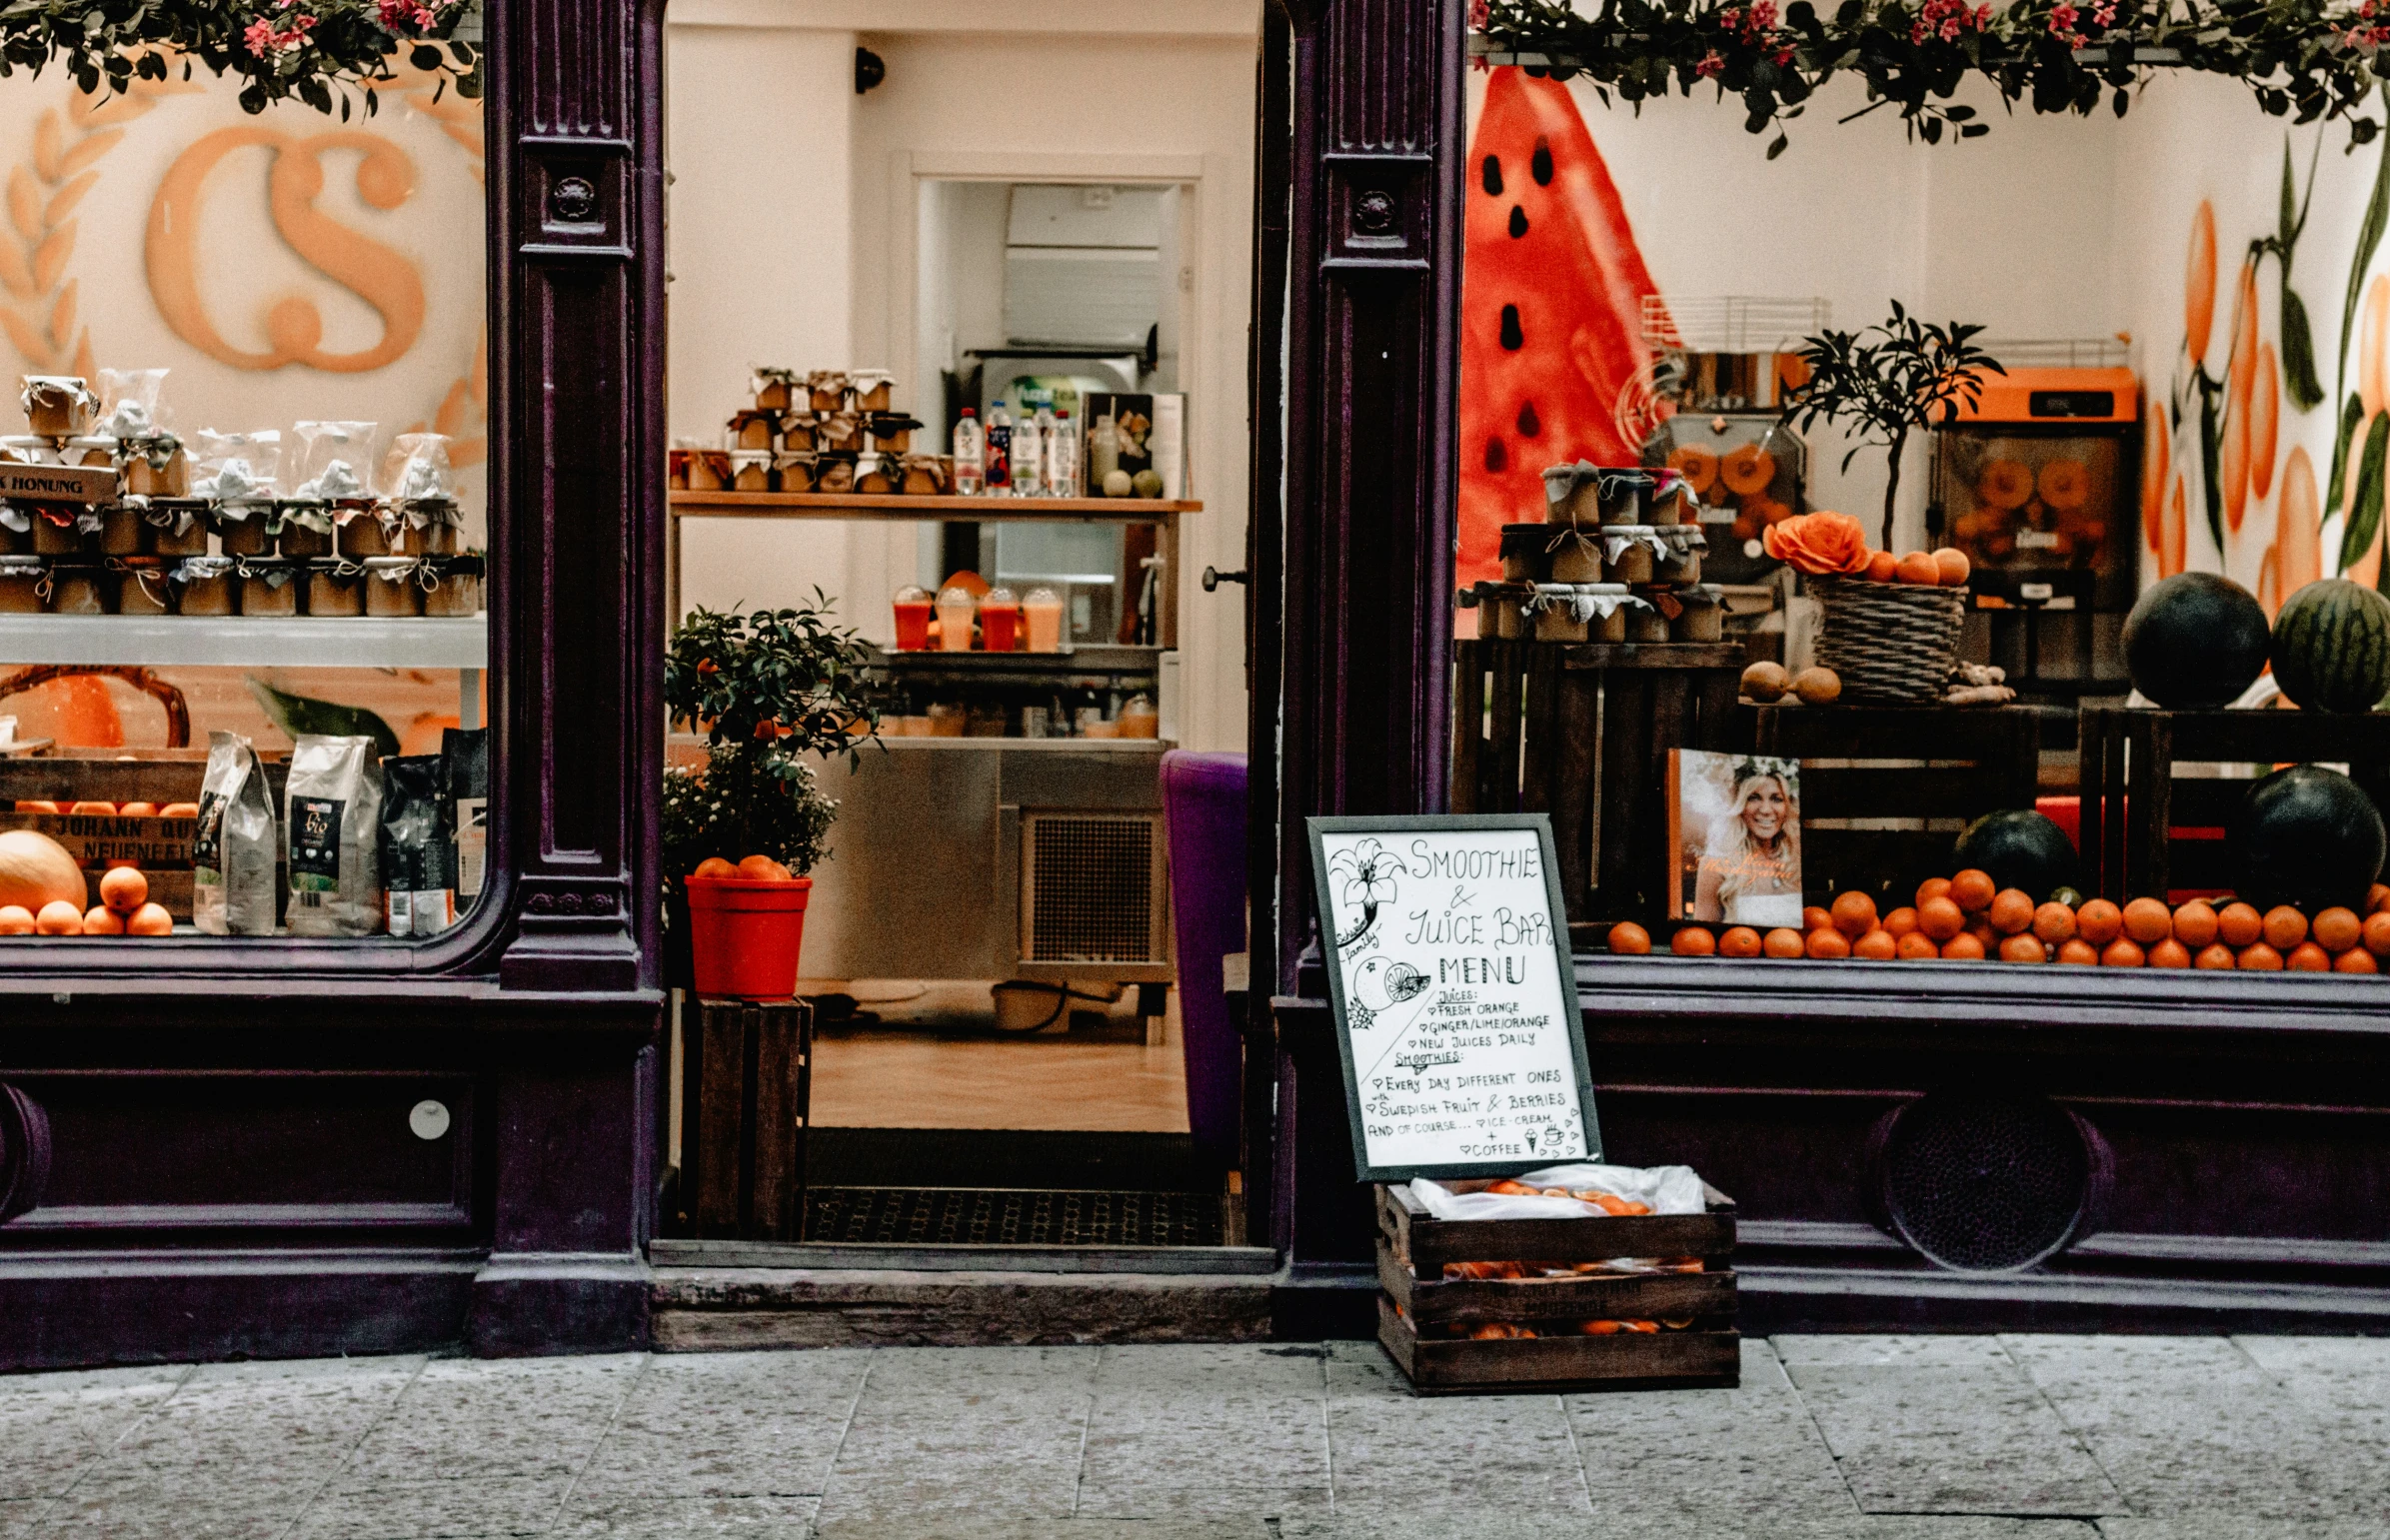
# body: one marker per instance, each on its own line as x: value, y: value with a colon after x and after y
x: 1889, y: 642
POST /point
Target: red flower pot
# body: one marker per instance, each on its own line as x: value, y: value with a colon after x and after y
x: 744, y: 935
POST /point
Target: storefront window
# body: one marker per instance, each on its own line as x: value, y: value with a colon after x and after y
x: 244, y: 642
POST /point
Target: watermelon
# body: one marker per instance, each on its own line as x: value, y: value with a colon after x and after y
x: 2307, y: 837
x: 2020, y: 848
x: 1552, y: 298
x: 2331, y: 647
x: 2195, y: 640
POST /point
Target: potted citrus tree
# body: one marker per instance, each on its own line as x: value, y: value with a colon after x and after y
x: 743, y: 834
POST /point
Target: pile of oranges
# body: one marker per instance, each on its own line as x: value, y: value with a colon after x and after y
x: 756, y: 868
x: 1969, y: 918
x: 124, y: 909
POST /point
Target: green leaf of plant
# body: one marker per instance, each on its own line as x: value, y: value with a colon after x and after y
x: 2350, y: 419
x: 2211, y: 443
x: 2291, y: 200
x: 2298, y: 351
x: 2365, y: 518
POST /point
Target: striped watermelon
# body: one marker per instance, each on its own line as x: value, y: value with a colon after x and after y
x: 2331, y: 649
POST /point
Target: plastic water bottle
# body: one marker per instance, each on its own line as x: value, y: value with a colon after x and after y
x: 997, y: 463
x: 1062, y: 457
x: 1029, y: 457
x: 971, y: 446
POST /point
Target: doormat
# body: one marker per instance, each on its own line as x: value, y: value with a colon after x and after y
x: 960, y: 1216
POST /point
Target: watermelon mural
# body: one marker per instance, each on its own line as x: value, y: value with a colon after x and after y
x: 1552, y: 302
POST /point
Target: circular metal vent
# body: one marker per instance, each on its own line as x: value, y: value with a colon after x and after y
x: 1984, y: 1184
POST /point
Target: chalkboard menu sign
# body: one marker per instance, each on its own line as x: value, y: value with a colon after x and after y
x: 1455, y: 1001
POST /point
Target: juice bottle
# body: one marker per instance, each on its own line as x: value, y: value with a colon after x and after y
x: 996, y: 473
x: 1062, y: 457
x: 970, y: 443
x: 1000, y: 620
x: 913, y: 619
x: 1042, y: 618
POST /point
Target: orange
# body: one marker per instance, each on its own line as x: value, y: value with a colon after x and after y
x: 2195, y: 925
x: 136, y: 809
x: 1816, y: 918
x: 2078, y: 952
x: 2122, y: 952
x: 2377, y: 933
x: 1918, y: 568
x: 1963, y: 948
x: 1878, y: 946
x: 1939, y: 918
x: 36, y: 804
x: 2024, y: 948
x: 2146, y: 921
x: 2258, y: 957
x: 1827, y: 945
x: 1916, y: 946
x: 150, y: 919
x: 1694, y: 942
x: 1629, y: 940
x: 2285, y: 927
x: 2099, y: 921
x: 2376, y: 896
x: 1784, y: 941
x: 93, y: 809
x: 1985, y: 935
x: 1901, y: 921
x: 2054, y: 923
x: 1954, y: 567
x: 2169, y: 954
x: 2338, y: 929
x: 2307, y: 957
x: 1854, y: 915
x: 715, y: 866
x: 179, y: 811
x: 2357, y: 962
x: 1740, y: 941
x: 2012, y: 910
x: 1933, y: 887
x: 59, y: 917
x: 2238, y: 924
x: 124, y: 890
x: 762, y: 868
x: 15, y: 919
x: 103, y: 921
x: 1972, y: 889
x: 1882, y: 567
x: 2216, y: 956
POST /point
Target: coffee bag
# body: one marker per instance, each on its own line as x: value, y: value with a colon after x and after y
x: 332, y: 812
x: 419, y: 896
x: 467, y: 753
x: 233, y: 846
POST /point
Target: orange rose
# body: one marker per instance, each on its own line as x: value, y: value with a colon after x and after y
x: 1818, y: 543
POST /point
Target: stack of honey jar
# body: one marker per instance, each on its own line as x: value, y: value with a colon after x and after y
x: 826, y: 430
x: 106, y: 510
x: 1617, y: 558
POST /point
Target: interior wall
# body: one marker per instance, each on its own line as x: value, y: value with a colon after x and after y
x: 807, y: 258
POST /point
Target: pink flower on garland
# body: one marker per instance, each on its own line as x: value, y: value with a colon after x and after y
x: 263, y: 39
x: 1712, y: 65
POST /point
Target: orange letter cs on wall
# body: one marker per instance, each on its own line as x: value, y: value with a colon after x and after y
x: 294, y: 327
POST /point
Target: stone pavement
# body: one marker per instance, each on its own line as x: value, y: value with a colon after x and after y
x: 1875, y: 1437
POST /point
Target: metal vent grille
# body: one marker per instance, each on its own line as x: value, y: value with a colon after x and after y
x: 1092, y: 889
x: 923, y: 1216
x: 1985, y: 1184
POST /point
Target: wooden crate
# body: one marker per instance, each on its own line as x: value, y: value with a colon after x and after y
x: 2147, y: 832
x: 1583, y: 733
x: 1885, y: 789
x: 746, y: 1106
x: 1417, y: 1304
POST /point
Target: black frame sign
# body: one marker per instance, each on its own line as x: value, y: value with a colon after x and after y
x: 1455, y: 995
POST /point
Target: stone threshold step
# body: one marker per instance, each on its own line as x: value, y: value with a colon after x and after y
x: 696, y: 1309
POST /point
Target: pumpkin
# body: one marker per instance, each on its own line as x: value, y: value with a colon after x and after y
x: 2195, y: 640
x: 2306, y: 837
x: 36, y: 871
x: 2331, y: 649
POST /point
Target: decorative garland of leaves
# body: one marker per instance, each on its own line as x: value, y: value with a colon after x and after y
x: 320, y: 50
x: 2311, y: 58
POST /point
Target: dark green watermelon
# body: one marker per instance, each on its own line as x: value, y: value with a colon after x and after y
x: 2331, y: 647
x: 2308, y: 836
x: 2195, y: 640
x: 2020, y: 848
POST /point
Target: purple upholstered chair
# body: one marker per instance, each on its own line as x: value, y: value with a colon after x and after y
x: 1202, y: 806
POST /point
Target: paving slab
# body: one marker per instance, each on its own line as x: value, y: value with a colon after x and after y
x: 727, y: 1425
x: 464, y: 1509
x: 1502, y: 1526
x: 2195, y: 1427
x: 959, y: 1526
x: 982, y: 1430
x: 51, y: 1424
x: 2242, y: 1527
x: 1223, y: 1430
x: 669, y: 1518
x: 1933, y: 1424
x: 1393, y: 1453
x: 494, y: 1419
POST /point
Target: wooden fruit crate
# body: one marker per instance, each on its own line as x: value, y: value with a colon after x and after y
x: 746, y: 1108
x: 1417, y: 1305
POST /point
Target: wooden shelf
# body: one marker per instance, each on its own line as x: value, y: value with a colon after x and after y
x: 856, y: 504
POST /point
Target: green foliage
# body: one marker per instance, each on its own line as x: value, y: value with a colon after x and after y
x: 2305, y: 58
x: 1912, y: 375
x: 322, y: 51
x: 749, y: 801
